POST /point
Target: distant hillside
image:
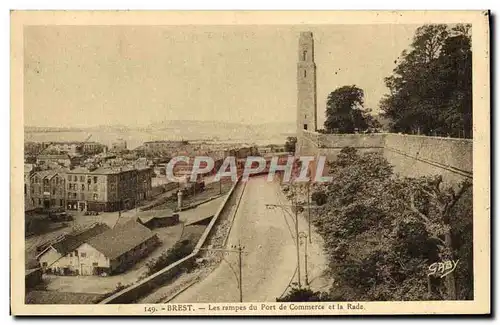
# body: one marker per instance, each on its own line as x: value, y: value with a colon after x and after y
x: 223, y: 130
x: 273, y: 132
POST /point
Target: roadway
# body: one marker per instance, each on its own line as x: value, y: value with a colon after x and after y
x: 269, y: 261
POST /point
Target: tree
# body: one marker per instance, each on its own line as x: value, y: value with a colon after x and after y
x: 431, y: 85
x: 344, y: 111
x: 290, y: 144
x: 304, y: 294
x: 382, y: 232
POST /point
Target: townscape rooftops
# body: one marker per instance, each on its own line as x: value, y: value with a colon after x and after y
x: 121, y: 239
x: 74, y: 240
x: 49, y: 173
x: 54, y: 156
x: 106, y: 170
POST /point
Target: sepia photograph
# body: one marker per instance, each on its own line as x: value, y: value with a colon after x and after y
x: 250, y: 163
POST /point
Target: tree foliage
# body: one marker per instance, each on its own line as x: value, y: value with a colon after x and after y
x: 382, y: 232
x: 431, y: 85
x: 290, y: 144
x: 345, y: 112
x: 303, y: 294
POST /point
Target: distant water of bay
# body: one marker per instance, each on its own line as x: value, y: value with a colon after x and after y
x: 136, y: 138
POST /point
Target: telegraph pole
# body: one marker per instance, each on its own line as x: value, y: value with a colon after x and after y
x: 294, y: 206
x: 241, y: 275
x: 234, y: 249
x: 303, y: 235
x: 309, y: 214
x: 297, y: 240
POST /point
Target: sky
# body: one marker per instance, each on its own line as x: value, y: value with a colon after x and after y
x: 77, y: 76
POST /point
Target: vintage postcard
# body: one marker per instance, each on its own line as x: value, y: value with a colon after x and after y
x: 250, y: 163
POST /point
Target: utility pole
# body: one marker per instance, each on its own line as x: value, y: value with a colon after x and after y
x: 294, y: 206
x: 309, y: 213
x: 303, y: 235
x: 234, y: 249
x: 220, y: 186
x: 240, y: 265
x: 297, y: 239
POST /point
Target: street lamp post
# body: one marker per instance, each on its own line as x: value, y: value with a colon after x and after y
x: 303, y: 235
x: 294, y: 206
x: 309, y: 214
x: 234, y: 249
x: 297, y: 240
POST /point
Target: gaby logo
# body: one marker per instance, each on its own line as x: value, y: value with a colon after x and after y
x: 303, y: 168
x: 442, y: 269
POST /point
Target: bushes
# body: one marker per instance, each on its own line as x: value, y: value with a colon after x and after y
x: 382, y: 232
x: 180, y: 250
x: 303, y: 295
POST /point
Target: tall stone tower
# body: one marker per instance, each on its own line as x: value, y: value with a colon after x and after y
x: 306, y: 84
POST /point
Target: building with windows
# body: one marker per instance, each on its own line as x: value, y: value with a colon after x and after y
x: 63, y: 257
x: 75, y: 147
x: 47, y: 189
x: 107, y: 188
x: 99, y: 250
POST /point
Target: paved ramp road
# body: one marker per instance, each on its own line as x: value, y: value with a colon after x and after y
x: 270, y: 260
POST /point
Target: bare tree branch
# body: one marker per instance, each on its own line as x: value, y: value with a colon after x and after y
x: 414, y: 209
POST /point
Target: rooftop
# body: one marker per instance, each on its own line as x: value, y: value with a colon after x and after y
x: 121, y: 239
x: 49, y: 173
x: 106, y: 170
x: 73, y: 240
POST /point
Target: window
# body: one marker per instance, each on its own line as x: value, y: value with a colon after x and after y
x: 82, y: 179
x: 39, y: 202
x: 69, y: 178
x: 44, y: 264
x: 70, y: 254
x: 305, y: 126
x: 95, y: 264
x: 95, y: 197
x: 75, y: 178
x: 60, y: 202
x: 304, y: 55
x: 53, y: 191
x: 305, y: 73
x: 83, y: 254
x: 83, y: 187
x: 95, y: 179
x: 76, y: 253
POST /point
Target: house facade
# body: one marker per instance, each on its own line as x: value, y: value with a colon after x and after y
x: 47, y: 189
x: 103, y: 252
x: 107, y: 188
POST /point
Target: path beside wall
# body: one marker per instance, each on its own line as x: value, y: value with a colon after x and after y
x: 411, y: 155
